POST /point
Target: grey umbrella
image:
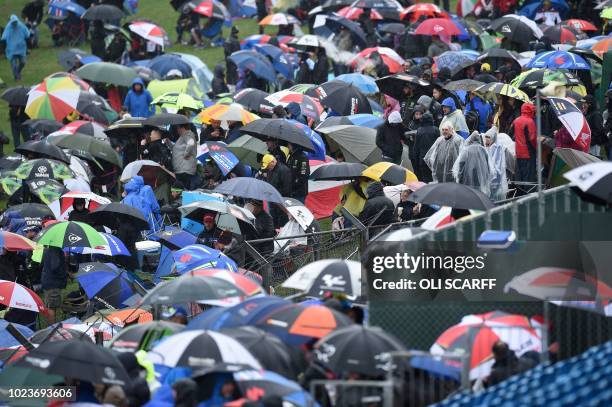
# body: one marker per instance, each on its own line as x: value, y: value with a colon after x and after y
x: 107, y: 72
x: 230, y: 217
x: 246, y: 187
x: 246, y: 148
x: 357, y: 144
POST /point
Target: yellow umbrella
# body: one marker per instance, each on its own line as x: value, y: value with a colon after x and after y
x: 390, y: 173
x: 232, y: 112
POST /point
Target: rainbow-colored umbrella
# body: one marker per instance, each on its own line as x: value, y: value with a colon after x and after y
x: 53, y: 98
x: 231, y: 112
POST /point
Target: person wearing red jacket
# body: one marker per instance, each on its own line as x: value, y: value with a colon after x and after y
x: 563, y: 139
x: 525, y: 138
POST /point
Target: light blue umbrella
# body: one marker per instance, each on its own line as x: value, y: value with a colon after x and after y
x: 558, y: 60
x: 364, y: 83
x: 454, y: 60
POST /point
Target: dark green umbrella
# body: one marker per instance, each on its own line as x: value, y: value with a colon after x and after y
x: 100, y: 149
x: 107, y: 72
x: 43, y: 168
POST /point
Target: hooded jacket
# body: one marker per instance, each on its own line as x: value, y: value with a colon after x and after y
x: 218, y: 85
x: 525, y: 131
x: 141, y: 197
x: 184, y: 154
x: 139, y: 103
x: 426, y: 136
x: 15, y: 36
x: 484, y: 111
x: 455, y: 117
x: 377, y: 202
x: 295, y: 112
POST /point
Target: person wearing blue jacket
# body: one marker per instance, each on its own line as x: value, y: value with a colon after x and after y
x: 15, y: 36
x: 138, y: 100
x: 483, y: 109
x: 142, y: 197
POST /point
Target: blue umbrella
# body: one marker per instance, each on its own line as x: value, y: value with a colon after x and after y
x: 246, y: 313
x: 164, y: 267
x: 200, y: 256
x: 173, y: 238
x: 366, y: 120
x: 285, y: 64
x: 254, y: 62
x: 89, y: 59
x: 364, y: 83
x: 106, y: 282
x: 454, y: 60
x: 66, y: 6
x: 6, y: 339
x: 163, y: 64
x: 268, y: 383
x: 114, y: 247
x: 531, y: 7
x: 558, y: 60
x: 225, y: 159
x: 315, y: 138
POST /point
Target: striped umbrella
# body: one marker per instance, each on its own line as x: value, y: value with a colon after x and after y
x: 560, y: 35
x: 389, y: 172
x: 279, y: 19
x: 54, y: 99
x: 491, y: 90
x: 14, y: 242
x: 311, y: 107
x: 232, y: 112
x: 15, y: 295
x: 71, y: 234
x: 150, y: 32
x: 427, y: 10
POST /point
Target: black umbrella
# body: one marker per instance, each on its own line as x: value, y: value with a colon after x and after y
x: 514, y: 29
x: 109, y: 214
x: 333, y: 23
x: 269, y: 350
x: 33, y: 213
x: 338, y: 171
x: 96, y: 108
x: 16, y: 96
x: 343, y: 98
x: 166, y: 119
x: 143, y: 336
x: 77, y: 359
x: 497, y: 57
x: 10, y: 162
x: 452, y: 194
x: 392, y: 28
x: 375, y: 4
x: 251, y: 188
x: 125, y: 127
x: 253, y: 100
x: 280, y: 129
x: 592, y: 181
x: 393, y: 85
x: 358, y: 349
x: 54, y: 333
x: 69, y: 58
x: 42, y: 149
x: 336, y: 4
x: 42, y: 126
x: 105, y: 12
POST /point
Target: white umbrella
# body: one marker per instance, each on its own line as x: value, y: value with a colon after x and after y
x: 342, y: 276
x: 593, y: 179
x: 299, y: 212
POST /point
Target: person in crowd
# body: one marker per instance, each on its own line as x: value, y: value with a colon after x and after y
x: 525, y: 136
x: 98, y: 35
x: 454, y: 117
x: 426, y: 135
x: 300, y: 171
x: 212, y: 132
x: 218, y: 85
x: 79, y: 212
x: 138, y: 100
x: 15, y: 36
x: 352, y: 198
x: 377, y: 203
x: 275, y: 150
x: 563, y: 139
x: 472, y: 166
x: 437, y: 47
x: 389, y: 138
x: 178, y: 316
x: 155, y: 149
x: 184, y: 153
x: 547, y: 15
x: 211, y: 232
x: 32, y: 14
x: 321, y: 66
x: 432, y: 106
x: 506, y: 364
x: 442, y: 155
x: 507, y: 111
x: 141, y: 197
x: 593, y: 116
x: 17, y: 116
x: 279, y: 176
x: 482, y: 108
x: 294, y: 112
x: 233, y: 131
x: 264, y: 226
x: 229, y: 245
x: 54, y: 278
x: 502, y: 162
x: 231, y: 45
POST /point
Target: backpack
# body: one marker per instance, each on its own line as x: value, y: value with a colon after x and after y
x: 472, y: 119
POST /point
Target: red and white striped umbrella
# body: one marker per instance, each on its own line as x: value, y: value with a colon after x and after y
x: 311, y: 107
x: 353, y: 13
x: 62, y: 207
x: 15, y: 295
x: 150, y: 32
x: 390, y: 58
x: 83, y: 127
x: 475, y: 336
x: 323, y: 196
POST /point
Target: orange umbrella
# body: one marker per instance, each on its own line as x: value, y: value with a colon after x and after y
x: 602, y: 47
x: 129, y: 316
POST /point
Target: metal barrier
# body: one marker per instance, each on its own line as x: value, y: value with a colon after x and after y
x: 353, y: 393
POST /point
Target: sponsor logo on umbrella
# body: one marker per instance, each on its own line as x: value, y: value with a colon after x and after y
x: 384, y: 362
x: 204, y: 362
x: 506, y: 29
x: 332, y: 281
x: 42, y: 171
x: 72, y: 238
x: 110, y: 373
x: 38, y: 362
x: 585, y: 175
x: 325, y: 352
x: 438, y: 28
x: 88, y: 267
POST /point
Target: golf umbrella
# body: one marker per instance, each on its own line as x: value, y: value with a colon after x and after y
x: 16, y: 96
x: 468, y: 85
x: 191, y: 288
x: 452, y: 194
x: 232, y: 112
x: 327, y: 25
x: 255, y: 62
x: 558, y: 60
x: 358, y: 349
x: 571, y: 117
x: 475, y: 335
x: 209, y: 8
x: 71, y: 234
x: 306, y: 41
x: 83, y: 127
x: 393, y: 85
x: 95, y: 108
x: 268, y: 349
x: 392, y: 28
x: 363, y: 120
x: 113, y: 247
x: 353, y: 13
x: 229, y: 216
x: 200, y: 256
x: 247, y: 148
x: 143, y: 336
x: 357, y: 144
x: 106, y: 283
x: 497, y: 57
x: 279, y: 19
x: 174, y: 239
x: 249, y: 188
x: 13, y: 295
x: 253, y: 100
x: 150, y: 32
x: 149, y: 170
x: 246, y: 284
x: 582, y: 25
x: 366, y: 84
x: 517, y: 28
x: 70, y: 58
x: 377, y: 4
x: 560, y: 35
x: 297, y: 324
x: 338, y: 171
x: 258, y: 385
x: 178, y: 101
x: 389, y: 57
x: 319, y: 277
x: 54, y: 99
x: 310, y: 107
x: 537, y: 78
x: 125, y: 126
x: 42, y: 126
x: 416, y: 11
x: 343, y: 98
x: 33, y: 213
x: 56, y: 333
x: 14, y: 242
x: 390, y: 173
x: 105, y: 12
x: 225, y: 159
x: 77, y: 359
x: 300, y: 213
x: 109, y: 214
x: 166, y: 119
x: 455, y: 61
x: 280, y: 129
x: 107, y: 72
x: 162, y: 64
x: 92, y: 201
x: 43, y: 168
x: 201, y: 349
x: 437, y: 26
x: 46, y: 190
x: 98, y: 148
x: 83, y: 86
x: 592, y: 180
x: 42, y: 149
x: 491, y: 90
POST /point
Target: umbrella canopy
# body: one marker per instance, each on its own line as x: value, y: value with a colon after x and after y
x: 232, y: 112
x: 280, y: 129
x: 363, y: 120
x: 46, y: 190
x: 602, y: 46
x: 357, y: 144
x: 15, y: 295
x: 166, y: 119
x: 229, y: 216
x: 358, y: 349
x: 437, y: 26
x: 57, y: 333
x: 199, y: 256
x: 558, y: 60
x: 497, y: 57
x: 389, y: 57
x: 300, y: 213
x: 95, y: 108
x: 452, y: 194
x: 279, y: 19
x: 393, y: 85
x: 113, y: 247
x: 71, y: 234
x: 107, y: 72
x: 537, y: 78
x: 517, y: 28
x: 455, y: 61
x: 104, y: 12
x: 250, y: 188
x: 416, y: 11
x: 162, y: 64
x: 16, y: 96
x: 98, y: 148
x: 110, y: 213
x: 86, y: 128
x: 582, y: 25
x: 343, y: 98
x: 560, y: 35
x: 468, y: 85
x: 42, y: 149
x: 150, y: 32
x: 476, y: 335
x: 53, y: 99
x: 338, y: 171
x: 77, y: 359
x: 310, y: 107
x: 174, y: 239
x: 178, y: 101
x: 306, y: 41
x: 143, y: 336
x: 92, y: 201
x: 592, y: 179
x: 43, y: 127
x: 254, y: 62
x: 208, y: 8
x: 105, y: 282
x: 43, y: 168
x: 127, y: 316
x: 327, y: 25
x: 353, y: 13
x: 389, y: 173
x: 144, y: 167
x: 14, y: 242
x: 319, y: 277
x: 246, y: 284
x: 366, y: 84
x: 491, y: 90
x: 253, y: 100
x: 246, y: 148
x: 225, y: 159
x: 571, y: 117
x: 33, y: 213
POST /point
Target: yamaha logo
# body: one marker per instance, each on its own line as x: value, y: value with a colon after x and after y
x: 42, y: 169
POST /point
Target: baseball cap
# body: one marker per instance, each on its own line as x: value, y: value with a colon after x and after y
x: 266, y: 160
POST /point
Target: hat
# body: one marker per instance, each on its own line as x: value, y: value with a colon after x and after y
x: 394, y: 117
x: 175, y: 312
x: 266, y: 160
x: 485, y: 67
x: 209, y: 217
x: 225, y: 237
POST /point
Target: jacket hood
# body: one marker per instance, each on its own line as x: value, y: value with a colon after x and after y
x: 134, y: 184
x: 294, y: 109
x: 219, y: 71
x: 427, y: 119
x: 449, y: 102
x: 375, y: 189
x: 425, y: 100
x: 13, y: 19
x: 138, y: 81
x: 528, y: 109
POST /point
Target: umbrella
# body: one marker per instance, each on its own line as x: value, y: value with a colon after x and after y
x: 306, y: 41
x: 71, y: 234
x: 392, y: 28
x: 233, y: 112
x: 105, y: 12
x: 437, y: 26
x: 284, y: 63
x: 560, y: 35
x: 43, y: 168
x: 279, y: 19
x: 337, y: 171
x: 319, y: 277
x: 113, y: 247
x: 455, y: 61
x: 199, y: 256
x: 603, y: 46
x: 70, y: 58
x: 33, y: 213
x: 252, y: 40
x: 42, y: 126
x: 229, y: 216
x: 491, y: 90
x: 126, y: 126
x: 203, y: 349
x: 363, y: 120
x: 54, y: 98
x: 571, y: 117
x: 389, y: 173
x: 353, y: 13
x: 497, y: 57
x: 146, y: 74
x: 111, y: 213
x: 100, y: 149
x: 95, y: 108
x: 225, y: 159
x: 74, y: 8
x: 476, y: 335
x: 416, y: 11
x: 87, y: 128
x: 15, y: 295
x: 582, y: 25
x: 254, y: 62
x: 606, y: 13
x: 377, y: 4
x: 8, y: 340
x: 107, y: 72
x: 517, y: 28
x: 253, y: 100
x: 174, y: 239
x: 246, y: 284
x: 150, y: 32
x: 42, y: 149
x: 77, y: 359
x: 106, y: 283
x: 166, y: 119
x: 126, y: 316
x: 357, y: 144
x: 14, y: 242
x: 258, y: 385
x: 537, y: 78
x: 343, y: 98
x: 327, y: 26
x: 310, y: 107
x: 54, y: 333
x: 178, y: 101
x: 393, y: 85
x: 143, y: 336
x: 191, y: 288
x: 468, y: 85
x: 452, y: 194
x: 592, y: 179
x: 300, y: 213
x: 47, y: 190
x: 366, y: 84
x: 16, y: 96
x: 83, y: 86
x: 246, y: 148
x: 209, y: 8
x: 558, y: 60
x: 162, y: 64
x: 281, y: 129
x: 299, y: 323
x: 389, y: 57
x: 358, y: 349
x: 92, y: 201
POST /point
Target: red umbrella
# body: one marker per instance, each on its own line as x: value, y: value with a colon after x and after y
x: 246, y: 284
x: 353, y: 13
x: 560, y: 35
x: 14, y: 242
x: 390, y: 58
x: 427, y: 10
x: 581, y: 25
x: 15, y: 295
x: 437, y: 26
x: 311, y: 107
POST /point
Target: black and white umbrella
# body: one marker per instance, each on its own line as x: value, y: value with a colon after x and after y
x: 571, y: 117
x: 201, y: 349
x: 229, y: 216
x: 338, y: 171
x: 452, y: 194
x: 341, y: 276
x: 593, y: 180
x: 299, y: 212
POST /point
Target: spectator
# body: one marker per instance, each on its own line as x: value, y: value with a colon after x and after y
x: 32, y: 14
x: 79, y: 213
x: 483, y: 109
x: 98, y: 46
x: 138, y: 100
x: 213, y: 132
x: 426, y: 136
x: 15, y: 36
x: 437, y: 47
x: 294, y: 112
x: 454, y: 117
x: 279, y: 176
x: 472, y: 167
x: 230, y: 246
x: 231, y: 45
x: 17, y: 116
x: 54, y: 278
x: 563, y: 139
x: 526, y: 148
x: 218, y: 85
x: 300, y: 169
x: 156, y: 150
x: 389, y: 138
x: 211, y: 232
x: 184, y: 154
x: 442, y: 155
x: 264, y: 226
x: 141, y: 197
x: 377, y: 202
x: 599, y: 141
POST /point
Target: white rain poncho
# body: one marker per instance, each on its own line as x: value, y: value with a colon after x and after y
x: 472, y: 167
x: 498, y: 156
x: 442, y: 155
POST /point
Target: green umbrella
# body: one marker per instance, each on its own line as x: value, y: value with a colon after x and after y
x: 43, y: 168
x: 47, y: 190
x: 107, y: 72
x: 178, y: 101
x: 100, y: 149
x: 71, y: 234
x: 246, y: 148
x: 606, y: 13
x: 224, y: 99
x: 10, y: 185
x: 537, y: 78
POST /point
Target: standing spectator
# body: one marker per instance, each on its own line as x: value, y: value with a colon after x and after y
x: 294, y: 112
x: 300, y: 169
x: 599, y: 140
x: 53, y: 279
x: 138, y: 100
x: 389, y: 138
x: 377, y: 202
x: 32, y: 14
x: 218, y: 85
x: 526, y: 148
x: 442, y: 155
x: 184, y: 154
x: 262, y: 11
x: 279, y: 176
x: 426, y: 136
x: 483, y: 109
x: 156, y: 150
x: 264, y: 227
x: 142, y: 197
x: 231, y: 45
x: 230, y: 246
x: 563, y: 139
x: 321, y: 67
x: 454, y: 117
x: 17, y: 116
x: 472, y: 167
x: 15, y: 36
x: 98, y: 46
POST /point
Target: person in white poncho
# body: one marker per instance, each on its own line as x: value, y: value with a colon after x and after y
x: 473, y: 167
x: 443, y: 153
x: 502, y: 160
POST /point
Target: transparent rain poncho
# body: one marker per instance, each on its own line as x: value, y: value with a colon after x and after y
x: 442, y: 155
x: 472, y: 167
x: 499, y: 157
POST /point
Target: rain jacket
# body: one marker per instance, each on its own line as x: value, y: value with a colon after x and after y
x: 455, y: 117
x: 498, y: 157
x: 142, y: 197
x: 472, y: 167
x: 218, y: 84
x: 53, y: 273
x: 377, y: 202
x: 525, y: 131
x: 441, y: 157
x: 15, y: 36
x: 563, y: 139
x: 426, y: 136
x: 484, y: 111
x: 353, y: 198
x: 300, y: 169
x: 139, y: 103
x: 389, y: 140
x: 184, y: 154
